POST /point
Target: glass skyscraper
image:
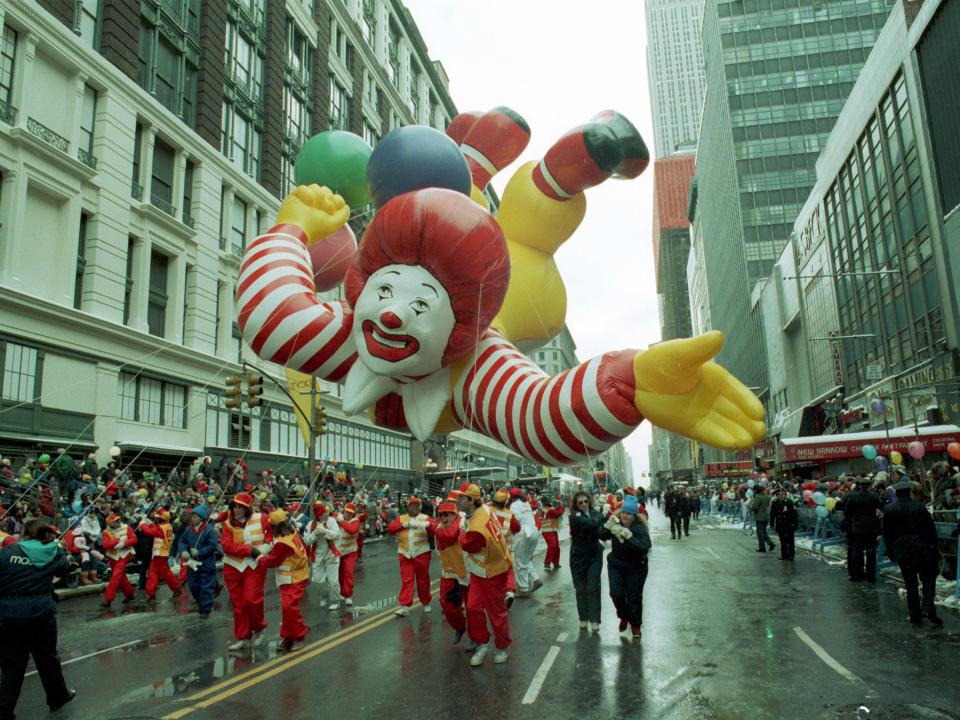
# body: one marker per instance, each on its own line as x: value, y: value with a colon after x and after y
x: 777, y: 74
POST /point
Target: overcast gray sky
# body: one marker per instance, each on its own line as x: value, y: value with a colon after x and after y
x: 557, y: 63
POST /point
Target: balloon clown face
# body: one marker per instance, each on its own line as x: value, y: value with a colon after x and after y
x: 402, y: 321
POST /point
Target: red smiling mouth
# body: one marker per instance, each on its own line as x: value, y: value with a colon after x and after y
x: 387, y: 346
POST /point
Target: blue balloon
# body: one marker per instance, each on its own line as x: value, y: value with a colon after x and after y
x: 414, y: 157
x: 819, y: 498
x: 822, y: 511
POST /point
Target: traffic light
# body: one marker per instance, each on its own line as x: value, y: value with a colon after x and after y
x: 254, y: 390
x: 234, y: 392
x: 320, y: 421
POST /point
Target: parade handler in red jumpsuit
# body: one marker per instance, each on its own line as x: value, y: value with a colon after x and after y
x: 290, y: 557
x: 244, y: 537
x: 413, y: 531
x: 119, y: 541
x: 454, y: 580
x: 162, y: 534
x: 550, y: 529
x: 488, y: 560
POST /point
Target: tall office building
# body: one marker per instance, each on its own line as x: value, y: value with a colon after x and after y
x: 777, y: 75
x: 675, y: 68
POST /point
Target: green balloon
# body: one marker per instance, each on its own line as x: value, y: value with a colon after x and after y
x: 338, y: 160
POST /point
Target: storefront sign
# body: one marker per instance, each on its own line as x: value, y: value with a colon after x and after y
x: 726, y: 469
x: 836, y: 357
x: 836, y: 448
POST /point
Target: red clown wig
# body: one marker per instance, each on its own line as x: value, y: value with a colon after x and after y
x: 456, y: 241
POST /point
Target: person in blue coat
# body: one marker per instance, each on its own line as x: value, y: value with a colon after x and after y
x: 197, y: 548
x: 627, y: 562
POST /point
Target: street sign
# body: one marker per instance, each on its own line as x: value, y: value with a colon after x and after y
x: 874, y: 371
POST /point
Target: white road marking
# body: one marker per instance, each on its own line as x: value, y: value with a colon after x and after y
x: 827, y: 658
x: 90, y: 655
x: 710, y: 550
x: 561, y: 637
x: 537, y: 683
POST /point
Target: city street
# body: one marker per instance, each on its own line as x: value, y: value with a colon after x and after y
x: 728, y: 633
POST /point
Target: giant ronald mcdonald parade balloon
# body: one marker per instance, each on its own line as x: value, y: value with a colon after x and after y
x: 443, y: 297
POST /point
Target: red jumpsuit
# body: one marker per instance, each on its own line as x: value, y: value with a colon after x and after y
x: 414, y: 553
x: 452, y: 574
x: 290, y: 556
x: 162, y: 535
x: 485, y: 599
x: 118, y: 545
x: 550, y: 528
x: 508, y: 533
x: 243, y: 576
x: 349, y: 546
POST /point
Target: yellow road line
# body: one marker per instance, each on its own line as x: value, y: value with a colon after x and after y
x: 320, y: 644
x: 292, y: 661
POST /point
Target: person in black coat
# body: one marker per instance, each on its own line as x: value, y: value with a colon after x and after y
x: 686, y: 510
x: 911, y: 540
x: 586, y: 557
x: 28, y: 621
x: 861, y: 516
x: 675, y: 508
x: 784, y: 519
x: 627, y: 562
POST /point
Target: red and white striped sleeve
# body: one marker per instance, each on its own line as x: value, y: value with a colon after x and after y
x: 279, y: 313
x: 550, y: 420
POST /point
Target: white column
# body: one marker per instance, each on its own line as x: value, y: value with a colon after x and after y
x: 252, y: 229
x: 225, y: 216
x: 23, y: 80
x: 179, y: 168
x: 75, y: 111
x: 140, y: 292
x: 225, y: 328
x: 10, y: 210
x: 176, y: 298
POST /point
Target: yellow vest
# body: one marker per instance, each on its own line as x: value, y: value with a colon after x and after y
x: 250, y: 534
x: 495, y: 558
x: 161, y: 546
x: 117, y: 552
x: 296, y: 568
x: 550, y: 524
x: 347, y: 543
x: 452, y: 563
x: 505, y: 516
x: 413, y: 542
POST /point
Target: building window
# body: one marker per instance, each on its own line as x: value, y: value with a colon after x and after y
x: 86, y: 15
x: 148, y: 400
x: 393, y: 56
x: 157, y: 302
x: 298, y: 52
x: 415, y: 94
x: 161, y: 183
x: 81, y: 262
x: 88, y: 115
x: 369, y: 24
x: 169, y: 55
x: 188, y: 194
x: 128, y: 285
x: 370, y: 135
x: 241, y: 141
x: 8, y: 52
x: 217, y: 321
x: 339, y: 106
x: 19, y: 373
x: 238, y: 226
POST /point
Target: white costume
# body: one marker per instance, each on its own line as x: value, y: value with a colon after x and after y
x: 322, y: 535
x: 524, y: 545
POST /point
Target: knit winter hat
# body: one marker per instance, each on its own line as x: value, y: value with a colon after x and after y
x: 630, y: 505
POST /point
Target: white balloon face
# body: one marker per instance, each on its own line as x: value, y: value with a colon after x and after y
x: 402, y: 322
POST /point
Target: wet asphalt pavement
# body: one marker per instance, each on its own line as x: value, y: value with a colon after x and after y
x: 727, y: 633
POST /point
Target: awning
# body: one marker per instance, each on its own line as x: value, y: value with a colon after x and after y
x: 935, y: 438
x: 161, y: 449
x: 788, y: 426
x: 64, y: 442
x: 823, y: 398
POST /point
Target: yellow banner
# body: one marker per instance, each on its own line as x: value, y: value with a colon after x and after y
x: 298, y: 384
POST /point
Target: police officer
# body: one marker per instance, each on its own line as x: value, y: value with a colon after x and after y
x: 911, y: 540
x: 28, y: 623
x: 861, y: 516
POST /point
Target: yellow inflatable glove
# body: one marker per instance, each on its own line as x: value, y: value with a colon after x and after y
x: 316, y: 210
x: 680, y: 389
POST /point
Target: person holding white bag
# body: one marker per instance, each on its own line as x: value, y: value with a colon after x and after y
x: 321, y: 536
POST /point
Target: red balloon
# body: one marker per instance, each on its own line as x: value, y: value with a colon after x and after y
x: 953, y: 450
x: 331, y: 257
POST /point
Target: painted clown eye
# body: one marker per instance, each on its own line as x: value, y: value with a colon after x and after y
x: 385, y: 292
x: 419, y: 306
